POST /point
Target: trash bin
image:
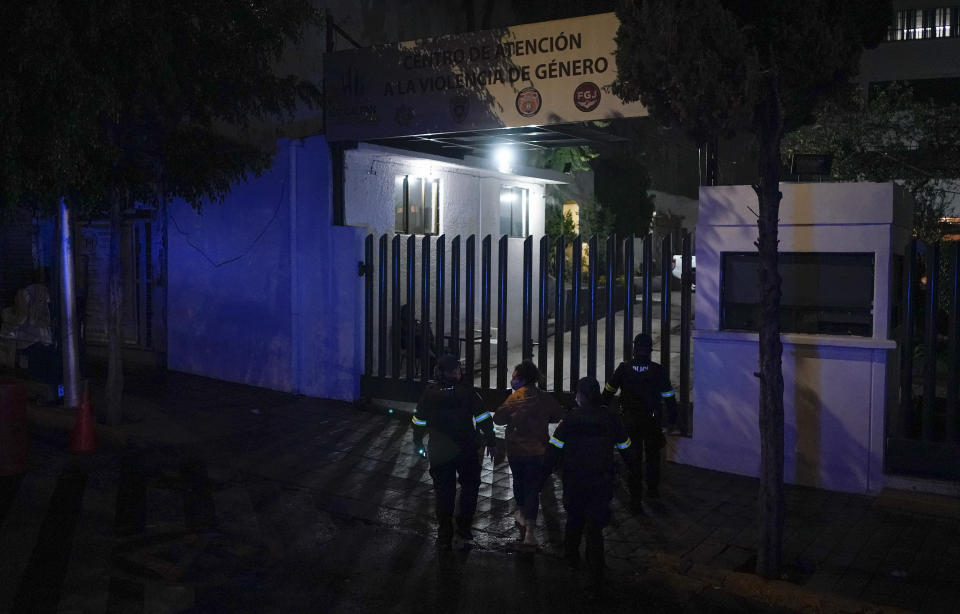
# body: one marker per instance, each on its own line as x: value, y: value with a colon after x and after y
x: 14, y: 438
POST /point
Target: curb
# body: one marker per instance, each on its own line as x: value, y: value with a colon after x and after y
x: 700, y: 579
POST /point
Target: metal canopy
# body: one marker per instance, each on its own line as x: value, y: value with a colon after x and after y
x: 482, y: 142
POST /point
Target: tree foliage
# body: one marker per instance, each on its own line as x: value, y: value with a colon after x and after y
x: 621, y: 185
x: 732, y: 52
x: 596, y: 220
x: 111, y: 102
x: 890, y: 135
x: 562, y: 159
x: 720, y: 67
x: 559, y: 224
x: 141, y: 99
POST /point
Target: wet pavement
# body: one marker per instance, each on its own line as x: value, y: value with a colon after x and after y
x: 228, y: 498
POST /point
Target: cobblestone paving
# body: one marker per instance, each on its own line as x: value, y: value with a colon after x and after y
x: 245, y: 513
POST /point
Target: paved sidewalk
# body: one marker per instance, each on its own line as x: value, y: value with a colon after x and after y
x: 223, y: 495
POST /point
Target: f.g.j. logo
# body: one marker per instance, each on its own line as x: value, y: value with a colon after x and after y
x: 587, y: 96
x: 529, y: 102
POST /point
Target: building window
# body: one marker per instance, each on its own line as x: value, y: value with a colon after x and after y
x: 823, y: 293
x: 416, y: 205
x: 915, y: 24
x: 514, y: 212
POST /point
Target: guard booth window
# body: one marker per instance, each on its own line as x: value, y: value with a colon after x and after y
x: 823, y: 293
x: 514, y: 212
x: 416, y: 203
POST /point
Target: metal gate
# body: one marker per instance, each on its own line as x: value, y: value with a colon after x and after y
x: 922, y: 433
x: 566, y: 309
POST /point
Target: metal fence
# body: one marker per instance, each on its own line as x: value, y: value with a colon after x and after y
x: 922, y: 434
x: 423, y: 294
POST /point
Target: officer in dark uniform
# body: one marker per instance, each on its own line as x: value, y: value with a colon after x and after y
x: 645, y: 388
x: 583, y: 445
x: 450, y: 412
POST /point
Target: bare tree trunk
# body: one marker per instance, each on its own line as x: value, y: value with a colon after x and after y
x: 771, y: 517
x: 114, y: 319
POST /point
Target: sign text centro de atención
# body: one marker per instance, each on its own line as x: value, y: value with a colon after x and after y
x: 543, y: 73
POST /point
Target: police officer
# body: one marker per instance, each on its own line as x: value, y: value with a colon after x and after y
x: 645, y: 388
x: 583, y: 445
x: 450, y: 412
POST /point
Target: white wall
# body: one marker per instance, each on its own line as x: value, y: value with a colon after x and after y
x: 835, y: 387
x: 263, y: 289
x: 469, y: 196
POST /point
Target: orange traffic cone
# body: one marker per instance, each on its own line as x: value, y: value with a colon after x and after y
x: 83, y: 439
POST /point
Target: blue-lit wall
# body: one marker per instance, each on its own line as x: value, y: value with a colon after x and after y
x: 263, y: 289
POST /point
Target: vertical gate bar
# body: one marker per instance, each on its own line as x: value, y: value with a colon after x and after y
x: 368, y: 305
x: 382, y: 301
x: 485, y: 246
x: 395, y: 323
x: 502, y: 256
x: 906, y: 345
x: 455, y: 297
x: 666, y: 261
x: 411, y: 322
x: 526, y: 352
x: 686, y: 294
x: 930, y: 342
x: 424, y: 340
x: 441, y: 290
x: 558, y: 324
x: 592, y: 308
x: 647, y: 326
x: 628, y: 297
x: 544, y: 306
x: 576, y: 280
x: 470, y: 303
x: 954, y: 342
x: 610, y: 334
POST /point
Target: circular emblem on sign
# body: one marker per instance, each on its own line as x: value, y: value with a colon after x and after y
x: 529, y: 102
x: 587, y: 96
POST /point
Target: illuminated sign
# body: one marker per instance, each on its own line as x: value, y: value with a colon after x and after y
x: 543, y: 73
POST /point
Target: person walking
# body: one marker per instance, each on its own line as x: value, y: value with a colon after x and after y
x: 644, y: 389
x: 582, y: 446
x: 526, y: 414
x: 451, y: 415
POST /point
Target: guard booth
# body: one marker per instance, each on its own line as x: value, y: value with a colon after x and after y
x: 841, y: 260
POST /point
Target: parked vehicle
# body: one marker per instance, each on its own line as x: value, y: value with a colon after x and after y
x: 677, y: 270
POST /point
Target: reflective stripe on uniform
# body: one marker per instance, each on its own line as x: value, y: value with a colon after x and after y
x: 609, y: 388
x: 623, y: 445
x: 667, y: 394
x: 556, y: 442
x: 481, y: 417
x: 419, y: 422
